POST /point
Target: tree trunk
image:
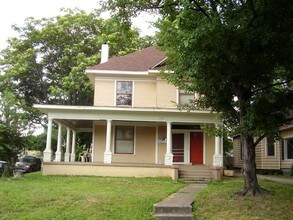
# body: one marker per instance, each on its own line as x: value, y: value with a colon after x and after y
x: 251, y: 186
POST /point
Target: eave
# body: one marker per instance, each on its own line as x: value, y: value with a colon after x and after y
x: 93, y: 113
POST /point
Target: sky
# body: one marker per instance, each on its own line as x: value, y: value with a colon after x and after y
x: 15, y: 11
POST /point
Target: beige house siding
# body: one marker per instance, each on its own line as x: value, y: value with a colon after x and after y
x: 166, y: 95
x: 210, y: 149
x: 98, y: 169
x: 162, y: 131
x: 145, y: 142
x: 286, y: 164
x: 104, y: 93
x: 145, y: 94
x: 258, y: 156
x: 262, y: 160
x: 270, y: 162
x: 149, y: 93
x: 99, y: 143
x: 237, y: 152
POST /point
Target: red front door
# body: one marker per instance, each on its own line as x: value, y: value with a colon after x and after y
x: 196, y: 147
x: 178, y: 147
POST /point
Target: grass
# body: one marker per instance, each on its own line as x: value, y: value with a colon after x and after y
x: 68, y: 197
x: 219, y: 201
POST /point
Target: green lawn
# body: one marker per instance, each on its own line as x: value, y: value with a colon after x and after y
x: 67, y: 197
x: 219, y: 201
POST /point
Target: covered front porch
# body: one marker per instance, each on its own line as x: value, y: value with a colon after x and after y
x: 156, y: 151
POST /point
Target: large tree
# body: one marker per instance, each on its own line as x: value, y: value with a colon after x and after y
x: 45, y: 64
x: 13, y: 127
x: 237, y: 54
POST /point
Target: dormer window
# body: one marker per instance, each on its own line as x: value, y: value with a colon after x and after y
x: 124, y: 93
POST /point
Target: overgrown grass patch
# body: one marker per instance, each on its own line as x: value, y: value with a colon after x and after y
x: 219, y: 201
x: 69, y: 197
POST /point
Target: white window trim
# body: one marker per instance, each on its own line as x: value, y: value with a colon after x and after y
x: 266, y: 149
x: 132, y: 94
x: 134, y: 140
x: 178, y: 95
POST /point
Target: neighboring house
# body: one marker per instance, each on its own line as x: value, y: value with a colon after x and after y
x: 136, y: 125
x: 269, y: 154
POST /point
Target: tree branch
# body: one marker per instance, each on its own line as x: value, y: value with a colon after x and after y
x: 259, y: 140
x: 271, y: 85
x: 199, y: 8
x: 251, y: 6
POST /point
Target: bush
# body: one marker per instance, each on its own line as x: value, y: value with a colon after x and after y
x: 7, y: 172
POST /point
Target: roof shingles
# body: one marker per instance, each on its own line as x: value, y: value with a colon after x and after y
x: 142, y: 60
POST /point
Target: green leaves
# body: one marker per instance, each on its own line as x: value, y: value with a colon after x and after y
x: 45, y: 64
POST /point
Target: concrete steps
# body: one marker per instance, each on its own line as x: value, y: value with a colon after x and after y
x: 174, y: 216
x: 198, y: 173
x: 178, y: 206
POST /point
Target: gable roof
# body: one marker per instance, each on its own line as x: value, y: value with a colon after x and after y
x: 143, y: 60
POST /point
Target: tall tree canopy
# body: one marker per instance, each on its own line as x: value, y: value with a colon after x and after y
x: 46, y: 63
x: 237, y: 54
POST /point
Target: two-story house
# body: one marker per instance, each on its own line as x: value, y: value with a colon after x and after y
x: 136, y: 125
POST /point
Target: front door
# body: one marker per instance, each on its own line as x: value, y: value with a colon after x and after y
x: 196, y: 147
x: 178, y: 148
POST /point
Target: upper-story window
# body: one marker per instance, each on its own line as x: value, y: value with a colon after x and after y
x: 185, y: 97
x: 124, y: 93
x: 270, y: 146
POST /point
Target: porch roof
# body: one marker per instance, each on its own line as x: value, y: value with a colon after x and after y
x: 81, y: 118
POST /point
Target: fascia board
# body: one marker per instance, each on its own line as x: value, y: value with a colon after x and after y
x: 117, y: 72
x: 125, y: 114
x: 163, y: 60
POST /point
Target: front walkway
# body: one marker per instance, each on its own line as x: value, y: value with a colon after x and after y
x: 178, y: 205
x: 276, y: 179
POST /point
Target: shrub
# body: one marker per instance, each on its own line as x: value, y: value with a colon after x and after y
x: 7, y: 172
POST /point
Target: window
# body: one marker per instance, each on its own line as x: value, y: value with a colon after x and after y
x: 185, y: 97
x: 124, y: 93
x: 124, y: 140
x: 288, y: 148
x: 270, y: 145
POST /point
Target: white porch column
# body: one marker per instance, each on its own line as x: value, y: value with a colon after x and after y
x: 72, y: 155
x: 47, y: 154
x: 108, y: 153
x: 58, y: 152
x: 218, y: 157
x: 67, y: 152
x: 169, y: 155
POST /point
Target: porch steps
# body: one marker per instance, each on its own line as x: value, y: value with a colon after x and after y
x: 178, y: 205
x: 195, y: 173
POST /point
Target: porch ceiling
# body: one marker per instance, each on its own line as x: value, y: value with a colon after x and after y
x: 82, y: 117
x: 77, y: 125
